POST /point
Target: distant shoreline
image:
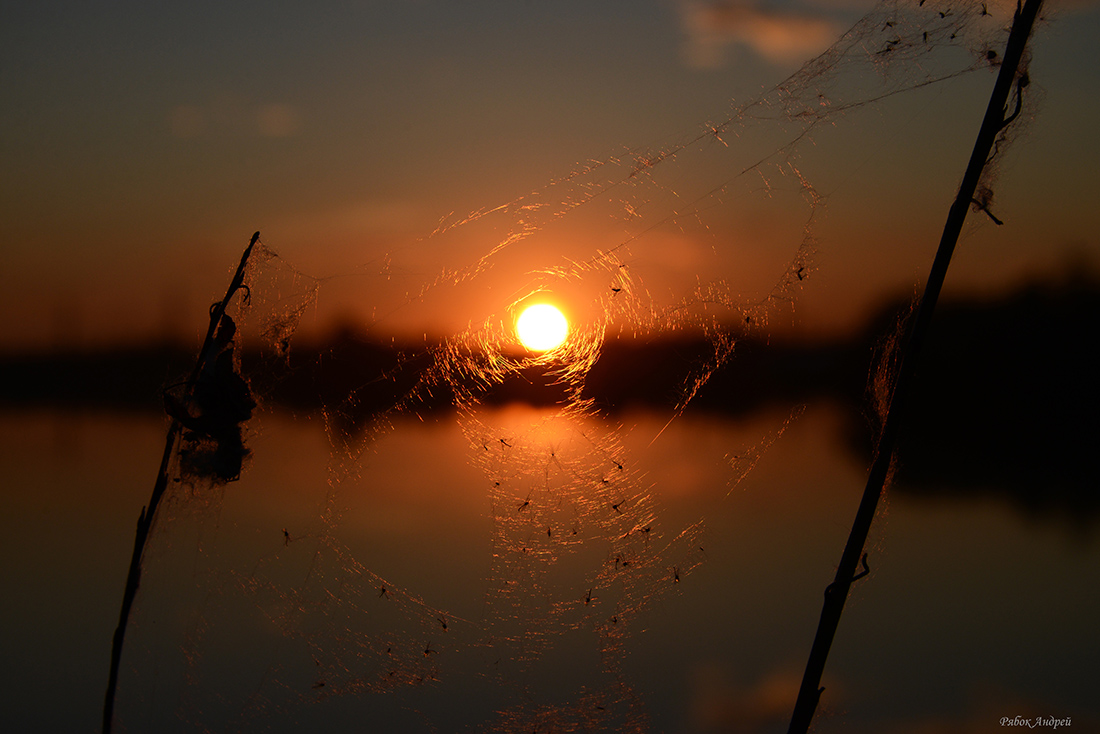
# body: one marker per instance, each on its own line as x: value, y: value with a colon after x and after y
x: 1006, y: 400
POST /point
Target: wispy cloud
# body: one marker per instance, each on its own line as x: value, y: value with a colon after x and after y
x: 781, y: 36
x: 227, y: 115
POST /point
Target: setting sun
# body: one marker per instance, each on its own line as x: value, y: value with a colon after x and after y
x: 542, y: 327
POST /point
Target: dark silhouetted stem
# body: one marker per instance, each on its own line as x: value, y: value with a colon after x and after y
x: 148, y: 513
x: 837, y: 592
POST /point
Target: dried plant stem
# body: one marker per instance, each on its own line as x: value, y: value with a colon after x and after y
x: 996, y: 118
x: 148, y: 513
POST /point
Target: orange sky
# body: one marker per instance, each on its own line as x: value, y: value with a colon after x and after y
x: 142, y: 146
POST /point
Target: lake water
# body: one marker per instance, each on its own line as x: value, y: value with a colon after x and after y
x: 973, y: 611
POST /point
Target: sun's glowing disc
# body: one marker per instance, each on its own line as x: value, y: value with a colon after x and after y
x: 542, y: 327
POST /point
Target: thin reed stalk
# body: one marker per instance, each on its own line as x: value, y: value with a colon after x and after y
x: 149, y: 512
x: 996, y: 119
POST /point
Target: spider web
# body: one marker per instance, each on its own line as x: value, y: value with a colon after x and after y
x: 252, y: 618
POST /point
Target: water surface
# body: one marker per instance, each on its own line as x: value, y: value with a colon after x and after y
x: 973, y: 610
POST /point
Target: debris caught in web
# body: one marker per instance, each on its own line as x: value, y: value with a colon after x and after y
x: 576, y: 551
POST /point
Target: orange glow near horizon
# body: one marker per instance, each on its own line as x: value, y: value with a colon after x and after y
x: 542, y: 327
